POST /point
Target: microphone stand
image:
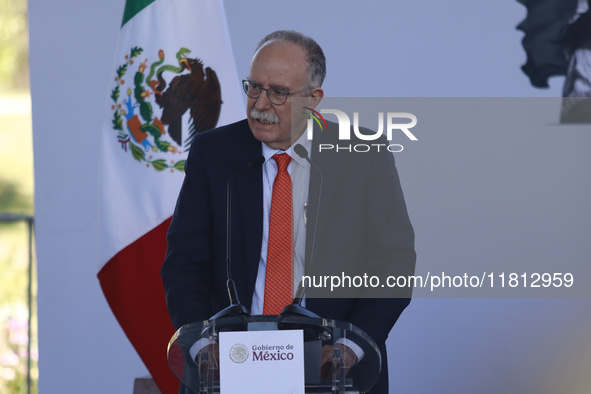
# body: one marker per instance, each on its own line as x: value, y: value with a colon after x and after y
x: 235, y: 307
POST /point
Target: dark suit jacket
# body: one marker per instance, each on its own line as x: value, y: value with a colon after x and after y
x: 362, y: 218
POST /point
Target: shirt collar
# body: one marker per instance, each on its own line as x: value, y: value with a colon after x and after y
x: 305, y: 142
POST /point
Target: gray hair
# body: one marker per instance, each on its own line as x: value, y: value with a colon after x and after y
x: 314, y: 54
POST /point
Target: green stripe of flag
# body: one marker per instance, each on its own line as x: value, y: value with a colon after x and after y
x: 132, y: 7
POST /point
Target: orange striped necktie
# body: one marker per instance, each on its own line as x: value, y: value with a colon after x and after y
x: 279, y: 276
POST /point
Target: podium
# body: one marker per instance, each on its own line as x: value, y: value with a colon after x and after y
x: 201, y: 374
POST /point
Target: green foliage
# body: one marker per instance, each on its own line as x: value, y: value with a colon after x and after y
x: 137, y: 152
x: 136, y: 51
x: 146, y: 111
x: 14, y: 257
x: 138, y: 79
x: 121, y: 70
x: 145, y: 107
x: 117, y: 121
x: 150, y: 128
x: 115, y: 94
x: 14, y: 39
x: 11, y: 201
x: 180, y: 166
x: 162, y: 145
x: 14, y: 314
x: 160, y: 165
x: 155, y: 132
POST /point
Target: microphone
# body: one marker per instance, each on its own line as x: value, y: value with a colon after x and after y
x: 296, y: 308
x: 235, y: 307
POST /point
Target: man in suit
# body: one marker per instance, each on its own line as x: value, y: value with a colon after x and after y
x: 361, y: 212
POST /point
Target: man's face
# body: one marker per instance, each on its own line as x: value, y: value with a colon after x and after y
x: 279, y: 65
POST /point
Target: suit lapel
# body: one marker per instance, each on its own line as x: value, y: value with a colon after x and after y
x: 248, y: 190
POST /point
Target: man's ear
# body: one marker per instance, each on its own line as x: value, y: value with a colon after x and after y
x: 316, y: 95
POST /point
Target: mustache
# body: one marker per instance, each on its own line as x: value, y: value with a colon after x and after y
x: 265, y: 117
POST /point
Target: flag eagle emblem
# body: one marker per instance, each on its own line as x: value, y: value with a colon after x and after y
x: 154, y: 133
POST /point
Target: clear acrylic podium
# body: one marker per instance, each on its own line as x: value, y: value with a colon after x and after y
x: 201, y: 375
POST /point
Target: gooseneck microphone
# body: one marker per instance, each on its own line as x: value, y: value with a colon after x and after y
x: 235, y: 307
x: 296, y: 308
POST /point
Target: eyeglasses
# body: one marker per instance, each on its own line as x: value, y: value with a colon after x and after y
x: 275, y: 96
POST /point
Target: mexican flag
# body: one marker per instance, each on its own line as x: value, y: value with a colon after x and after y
x: 174, y: 76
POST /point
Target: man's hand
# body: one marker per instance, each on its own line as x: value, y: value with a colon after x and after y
x: 326, y: 359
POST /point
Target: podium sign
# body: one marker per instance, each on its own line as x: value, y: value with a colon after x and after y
x: 262, y: 362
x: 254, y: 354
